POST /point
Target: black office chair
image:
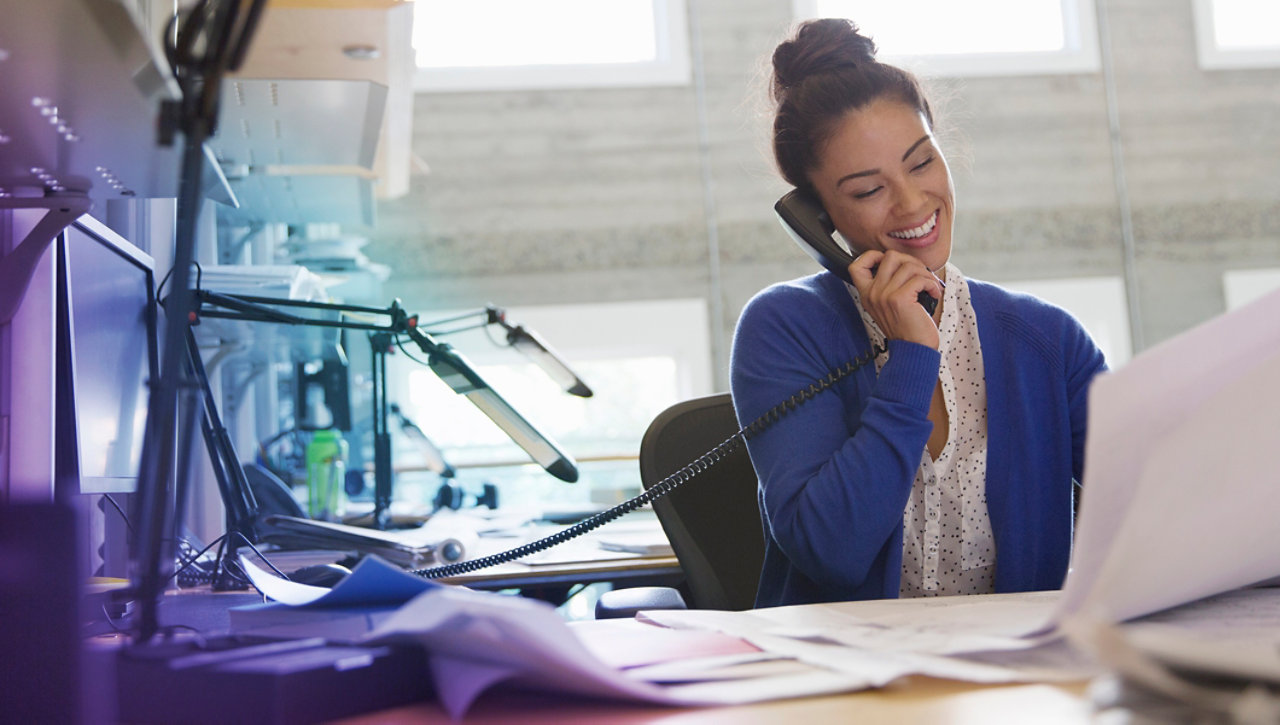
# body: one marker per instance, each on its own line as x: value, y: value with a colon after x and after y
x: 712, y: 521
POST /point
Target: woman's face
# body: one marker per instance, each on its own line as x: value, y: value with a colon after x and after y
x: 886, y: 185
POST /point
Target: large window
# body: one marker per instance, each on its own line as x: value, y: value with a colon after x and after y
x: 976, y: 37
x: 637, y: 357
x: 1238, y: 33
x: 517, y: 44
x: 1242, y: 286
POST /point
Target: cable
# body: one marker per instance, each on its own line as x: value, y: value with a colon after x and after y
x: 260, y: 554
x: 123, y: 515
x: 202, y: 577
x: 399, y: 343
x: 666, y: 485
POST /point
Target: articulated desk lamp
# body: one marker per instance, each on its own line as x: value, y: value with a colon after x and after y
x: 520, y: 338
x: 435, y: 461
x: 441, y: 358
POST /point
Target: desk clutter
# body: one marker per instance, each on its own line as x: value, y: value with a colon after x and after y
x: 477, y: 641
x: 1185, y: 621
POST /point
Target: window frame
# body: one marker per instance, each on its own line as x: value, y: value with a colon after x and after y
x: 672, y: 67
x: 1080, y: 26
x: 1211, y: 57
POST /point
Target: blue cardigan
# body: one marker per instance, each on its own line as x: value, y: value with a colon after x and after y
x: 835, y: 474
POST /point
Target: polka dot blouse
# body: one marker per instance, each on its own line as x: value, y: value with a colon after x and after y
x: 947, y: 544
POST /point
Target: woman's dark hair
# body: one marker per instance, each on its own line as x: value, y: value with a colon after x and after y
x: 826, y: 69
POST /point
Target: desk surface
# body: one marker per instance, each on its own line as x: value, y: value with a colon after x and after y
x: 915, y: 700
x: 622, y: 569
x: 578, y: 561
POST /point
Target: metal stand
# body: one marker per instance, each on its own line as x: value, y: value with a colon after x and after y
x: 381, y: 344
x: 382, y: 337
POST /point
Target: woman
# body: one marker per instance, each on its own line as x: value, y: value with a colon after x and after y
x: 946, y: 466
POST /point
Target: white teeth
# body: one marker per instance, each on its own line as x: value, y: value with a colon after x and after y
x: 919, y: 231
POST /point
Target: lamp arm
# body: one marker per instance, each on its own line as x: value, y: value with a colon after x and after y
x: 263, y: 309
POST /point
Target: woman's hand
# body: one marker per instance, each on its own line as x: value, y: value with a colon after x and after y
x: 889, y: 284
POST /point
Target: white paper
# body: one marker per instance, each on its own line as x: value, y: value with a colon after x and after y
x: 932, y: 625
x: 279, y: 589
x: 1235, y: 634
x: 479, y: 639
x: 1180, y: 495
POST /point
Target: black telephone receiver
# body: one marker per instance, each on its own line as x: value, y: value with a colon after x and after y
x: 809, y: 225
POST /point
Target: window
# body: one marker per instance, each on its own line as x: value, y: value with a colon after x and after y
x: 1243, y: 286
x: 1237, y: 33
x: 974, y: 38
x: 638, y: 358
x: 517, y: 44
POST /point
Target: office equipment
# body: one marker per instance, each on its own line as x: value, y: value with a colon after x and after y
x: 407, y: 547
x: 433, y: 459
x: 714, y: 527
x: 809, y: 226
x: 393, y: 327
x: 526, y: 341
x: 320, y: 575
x: 107, y: 354
x: 268, y: 681
x: 219, y: 679
x: 332, y: 380
x: 201, y: 46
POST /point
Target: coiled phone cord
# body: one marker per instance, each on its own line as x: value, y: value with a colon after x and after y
x: 666, y: 485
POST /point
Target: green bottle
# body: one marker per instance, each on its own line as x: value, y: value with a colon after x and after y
x: 326, y: 471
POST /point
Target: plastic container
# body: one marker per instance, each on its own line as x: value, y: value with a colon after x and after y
x: 326, y: 473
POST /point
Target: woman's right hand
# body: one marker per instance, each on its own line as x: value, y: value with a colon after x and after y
x: 889, y: 284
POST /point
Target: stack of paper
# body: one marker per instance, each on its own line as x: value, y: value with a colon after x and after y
x: 1180, y: 496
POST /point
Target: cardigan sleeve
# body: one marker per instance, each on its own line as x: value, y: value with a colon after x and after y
x: 836, y: 472
x: 1083, y: 361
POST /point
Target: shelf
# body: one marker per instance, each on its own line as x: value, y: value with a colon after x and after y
x: 351, y: 40
x: 300, y: 151
x: 80, y: 92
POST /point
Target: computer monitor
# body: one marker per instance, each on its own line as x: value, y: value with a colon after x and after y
x: 107, y: 354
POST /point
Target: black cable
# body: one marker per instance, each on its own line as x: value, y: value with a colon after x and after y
x: 193, y: 560
x: 260, y: 554
x: 123, y: 515
x: 399, y: 343
x: 666, y: 485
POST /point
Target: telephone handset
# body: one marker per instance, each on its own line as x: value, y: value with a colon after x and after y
x: 809, y: 225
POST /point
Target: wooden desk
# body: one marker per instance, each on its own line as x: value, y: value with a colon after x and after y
x: 915, y: 700
x: 629, y: 571
x: 578, y: 561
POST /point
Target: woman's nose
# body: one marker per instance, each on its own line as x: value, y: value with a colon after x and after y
x: 909, y: 198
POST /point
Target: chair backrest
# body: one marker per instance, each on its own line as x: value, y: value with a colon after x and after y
x: 713, y: 520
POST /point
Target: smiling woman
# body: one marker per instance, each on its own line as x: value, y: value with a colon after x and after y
x: 947, y: 467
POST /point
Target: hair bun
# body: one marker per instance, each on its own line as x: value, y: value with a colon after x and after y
x: 817, y: 47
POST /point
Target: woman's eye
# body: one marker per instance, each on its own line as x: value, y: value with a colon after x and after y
x: 922, y: 164
x: 867, y: 194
